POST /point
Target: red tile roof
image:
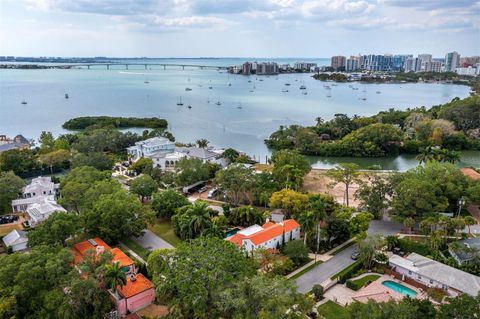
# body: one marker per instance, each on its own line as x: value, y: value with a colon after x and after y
x: 133, y: 288
x: 470, y: 172
x: 270, y: 230
x: 81, y: 248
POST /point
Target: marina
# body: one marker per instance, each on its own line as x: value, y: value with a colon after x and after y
x: 266, y: 105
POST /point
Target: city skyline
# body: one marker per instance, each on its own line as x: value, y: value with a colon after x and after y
x: 209, y: 28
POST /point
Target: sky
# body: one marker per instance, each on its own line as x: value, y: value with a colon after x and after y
x: 238, y: 28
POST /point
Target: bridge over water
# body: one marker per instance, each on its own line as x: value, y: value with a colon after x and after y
x: 146, y: 65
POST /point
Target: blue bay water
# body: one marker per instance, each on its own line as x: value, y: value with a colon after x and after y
x: 242, y: 121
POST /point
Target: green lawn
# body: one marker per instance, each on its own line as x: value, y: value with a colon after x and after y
x: 331, y: 310
x: 362, y: 281
x: 318, y: 262
x: 163, y: 228
x: 142, y: 252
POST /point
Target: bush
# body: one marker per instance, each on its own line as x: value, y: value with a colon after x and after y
x: 348, y: 272
x: 317, y: 291
x: 296, y: 251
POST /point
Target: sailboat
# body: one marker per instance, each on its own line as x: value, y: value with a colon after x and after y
x: 218, y: 103
x: 180, y: 103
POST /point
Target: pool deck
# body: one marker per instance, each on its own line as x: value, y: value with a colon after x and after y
x: 377, y: 292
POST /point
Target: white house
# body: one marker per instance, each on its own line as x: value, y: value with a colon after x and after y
x: 39, y: 188
x: 149, y: 147
x: 16, y: 239
x: 432, y: 273
x: 165, y: 154
x: 38, y: 200
x: 41, y: 210
x: 269, y: 236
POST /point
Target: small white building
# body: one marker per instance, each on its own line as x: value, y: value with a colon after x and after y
x: 16, y: 239
x: 434, y: 274
x: 269, y: 236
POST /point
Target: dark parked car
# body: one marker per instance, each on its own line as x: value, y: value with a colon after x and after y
x: 7, y: 219
x: 355, y: 255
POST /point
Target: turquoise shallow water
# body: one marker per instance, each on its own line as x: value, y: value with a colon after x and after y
x: 400, y: 288
x: 242, y: 121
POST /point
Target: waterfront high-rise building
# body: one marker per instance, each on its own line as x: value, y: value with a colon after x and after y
x: 374, y: 62
x: 264, y: 68
x: 338, y: 63
x: 452, y: 61
x: 352, y: 64
x: 247, y: 68
x: 399, y: 61
x: 433, y: 66
x: 424, y: 58
x: 304, y: 66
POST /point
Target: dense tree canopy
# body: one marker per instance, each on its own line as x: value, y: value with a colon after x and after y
x: 165, y: 203
x: 143, y: 186
x: 55, y: 230
x: 289, y: 167
x: 116, y: 216
x: 192, y: 277
x: 432, y: 188
x: 10, y: 187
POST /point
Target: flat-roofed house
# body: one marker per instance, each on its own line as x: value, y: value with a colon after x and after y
x: 434, y: 274
x: 269, y: 236
x: 150, y: 147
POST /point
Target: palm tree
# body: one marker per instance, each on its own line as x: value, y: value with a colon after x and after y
x: 470, y: 221
x: 200, y: 217
x: 308, y: 223
x: 449, y: 156
x: 115, y: 276
x: 319, y: 121
x: 215, y: 230
x: 202, y: 143
x: 427, y: 154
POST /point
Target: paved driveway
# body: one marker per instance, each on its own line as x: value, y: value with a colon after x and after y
x: 341, y: 260
x: 150, y: 241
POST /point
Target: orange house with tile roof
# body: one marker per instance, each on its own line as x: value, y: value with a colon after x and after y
x: 269, y: 236
x: 137, y: 293
x: 99, y: 246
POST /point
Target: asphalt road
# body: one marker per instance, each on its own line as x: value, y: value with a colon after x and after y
x: 341, y: 260
x: 150, y: 241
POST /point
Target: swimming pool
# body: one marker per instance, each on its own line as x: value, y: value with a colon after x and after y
x: 399, y: 288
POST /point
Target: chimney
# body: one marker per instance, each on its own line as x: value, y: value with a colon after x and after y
x: 99, y: 249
